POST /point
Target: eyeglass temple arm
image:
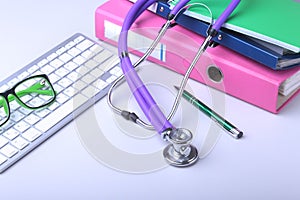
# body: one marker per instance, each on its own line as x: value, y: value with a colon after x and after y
x: 35, y: 89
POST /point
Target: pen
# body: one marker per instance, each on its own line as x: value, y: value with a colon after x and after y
x: 223, y: 123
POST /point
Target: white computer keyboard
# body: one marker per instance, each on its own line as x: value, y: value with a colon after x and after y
x: 81, y: 72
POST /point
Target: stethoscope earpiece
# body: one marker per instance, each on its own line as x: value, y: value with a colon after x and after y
x: 180, y: 153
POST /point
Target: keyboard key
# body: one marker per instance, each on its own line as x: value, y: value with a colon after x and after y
x: 61, y: 98
x: 84, y: 45
x: 79, y: 85
x: 97, y: 72
x: 88, y: 78
x: 21, y: 126
x: 71, y: 66
x: 42, y: 63
x: 38, y: 72
x: 24, y: 75
x: 32, y: 69
x: 31, y: 134
x: 61, y: 50
x: 65, y: 57
x: 91, y: 64
x: 2, y: 113
x: 26, y: 98
x: 61, y: 72
x: 106, y: 76
x: 47, y: 69
x: 100, y: 84
x: 70, y: 45
x: 90, y: 91
x: 32, y: 119
x: 79, y: 39
x: 111, y: 79
x: 61, y: 113
x: 53, y: 106
x: 52, y: 56
x: 3, y: 88
x: 8, y: 124
x: 11, y: 134
x: 16, y: 116
x: 109, y: 63
x: 42, y: 113
x: 96, y: 48
x: 105, y: 54
x: 82, y: 70
x: 117, y: 71
x: 3, y: 141
x: 70, y: 91
x: 79, y: 60
x: 2, y: 159
x: 20, y: 143
x: 14, y: 105
x: 88, y: 54
x: 56, y: 63
x: 53, y: 78
x: 13, y: 82
x: 74, y: 76
x: 37, y: 101
x: 74, y: 52
x: 9, y: 151
x: 65, y: 82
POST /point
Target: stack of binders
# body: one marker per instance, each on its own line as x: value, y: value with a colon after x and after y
x: 246, y: 67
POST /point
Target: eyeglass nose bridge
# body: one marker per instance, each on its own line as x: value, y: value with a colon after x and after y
x: 10, y: 95
x: 7, y: 93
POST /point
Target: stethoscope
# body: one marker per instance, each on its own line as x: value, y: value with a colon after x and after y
x: 179, y: 152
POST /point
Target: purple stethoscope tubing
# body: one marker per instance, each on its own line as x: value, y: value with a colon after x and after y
x: 139, y: 90
x: 222, y: 18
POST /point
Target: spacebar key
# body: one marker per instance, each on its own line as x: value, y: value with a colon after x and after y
x: 61, y: 112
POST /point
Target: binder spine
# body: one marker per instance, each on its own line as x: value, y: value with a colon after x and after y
x: 227, y: 38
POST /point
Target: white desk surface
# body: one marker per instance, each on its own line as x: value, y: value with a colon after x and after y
x: 263, y: 165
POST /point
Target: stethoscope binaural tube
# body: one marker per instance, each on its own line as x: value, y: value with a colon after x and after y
x: 180, y: 152
x: 139, y: 90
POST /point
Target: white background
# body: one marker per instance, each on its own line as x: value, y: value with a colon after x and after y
x: 263, y: 165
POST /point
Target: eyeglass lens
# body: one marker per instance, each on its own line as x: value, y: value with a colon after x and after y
x: 33, y: 93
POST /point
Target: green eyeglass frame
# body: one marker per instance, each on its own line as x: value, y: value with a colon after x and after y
x: 39, y: 85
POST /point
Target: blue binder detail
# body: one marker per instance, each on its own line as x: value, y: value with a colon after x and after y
x: 235, y: 41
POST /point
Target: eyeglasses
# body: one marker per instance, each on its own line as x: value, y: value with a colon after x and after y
x: 32, y: 93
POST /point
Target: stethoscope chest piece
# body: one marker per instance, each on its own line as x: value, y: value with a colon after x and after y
x: 180, y: 153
